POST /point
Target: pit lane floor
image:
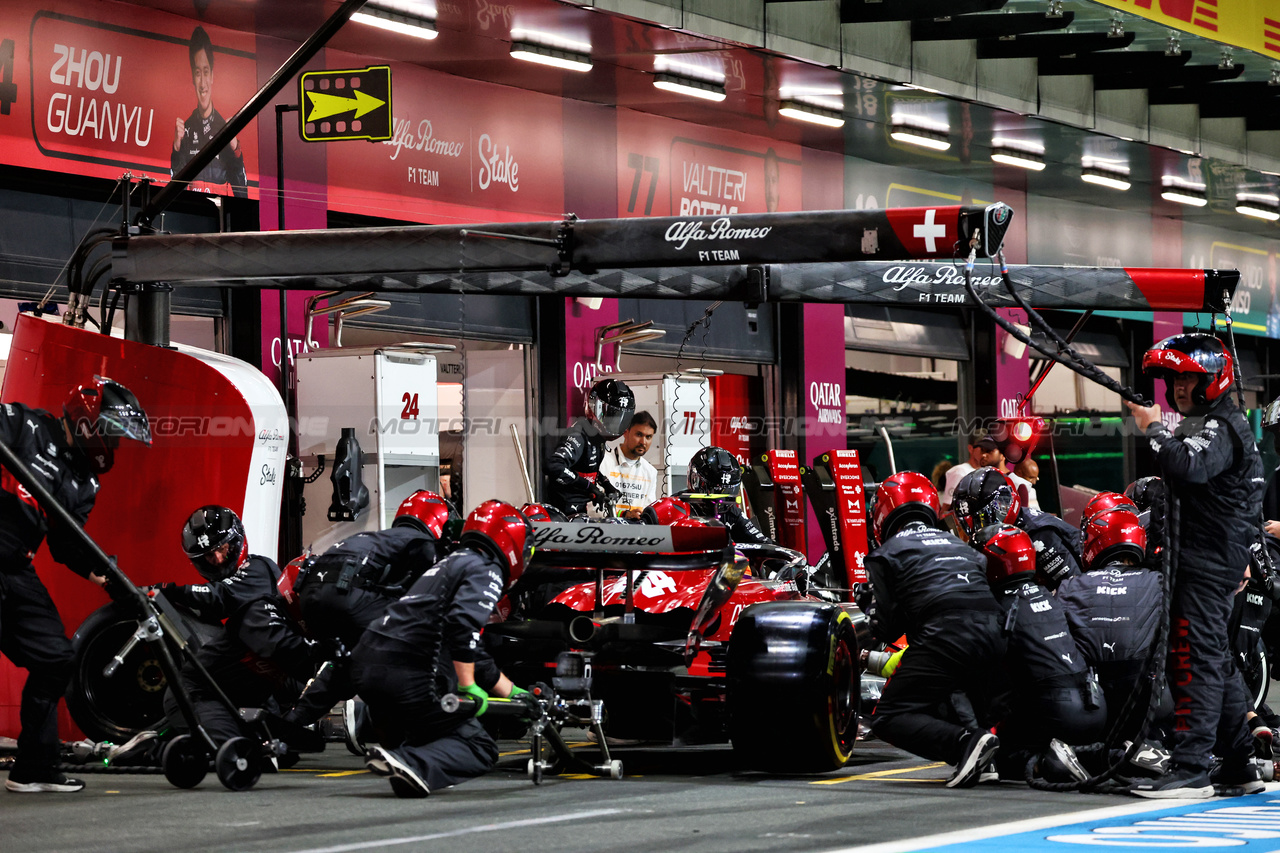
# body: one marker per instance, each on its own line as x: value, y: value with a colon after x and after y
x: 682, y: 800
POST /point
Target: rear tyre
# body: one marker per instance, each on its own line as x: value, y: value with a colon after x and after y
x: 793, y: 687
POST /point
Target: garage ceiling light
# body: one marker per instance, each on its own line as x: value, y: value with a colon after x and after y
x: 1184, y: 193
x: 811, y: 113
x: 925, y: 137
x: 1105, y: 178
x: 555, y: 57
x: 691, y: 86
x: 1260, y: 206
x: 1017, y: 157
x: 396, y: 22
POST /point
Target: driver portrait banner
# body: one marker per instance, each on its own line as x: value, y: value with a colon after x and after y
x: 113, y: 92
x: 784, y: 468
x: 851, y: 509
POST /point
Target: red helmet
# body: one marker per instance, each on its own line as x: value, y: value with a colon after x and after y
x: 100, y: 413
x: 498, y: 529
x: 1104, y: 501
x: 666, y: 511
x: 542, y: 512
x: 903, y: 497
x: 425, y: 511
x: 1198, y: 354
x: 1011, y: 555
x: 985, y: 497
x: 1111, y: 535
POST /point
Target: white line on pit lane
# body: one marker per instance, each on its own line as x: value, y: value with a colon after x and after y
x: 980, y: 833
x: 470, y: 830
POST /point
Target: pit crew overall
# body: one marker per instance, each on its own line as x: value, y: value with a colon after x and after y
x: 1051, y: 697
x: 260, y: 658
x: 571, y: 469
x: 932, y: 587
x: 1114, y: 613
x: 1057, y: 543
x: 1211, y: 465
x: 31, y: 632
x: 403, y: 665
x: 347, y: 588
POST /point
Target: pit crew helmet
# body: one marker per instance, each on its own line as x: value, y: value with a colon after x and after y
x: 1103, y: 502
x: 1198, y: 354
x: 1111, y: 535
x: 100, y: 413
x: 425, y: 511
x: 1010, y: 553
x: 501, y: 531
x: 542, y: 512
x: 1144, y: 492
x: 666, y: 511
x: 984, y: 497
x: 208, y: 529
x: 904, y: 497
x: 714, y: 470
x: 609, y: 406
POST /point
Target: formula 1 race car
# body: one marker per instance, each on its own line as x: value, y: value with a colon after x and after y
x: 688, y: 640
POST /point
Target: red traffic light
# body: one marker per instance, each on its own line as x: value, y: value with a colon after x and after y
x: 1017, y: 437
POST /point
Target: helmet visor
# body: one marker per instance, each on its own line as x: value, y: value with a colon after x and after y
x: 122, y: 416
x: 610, y: 418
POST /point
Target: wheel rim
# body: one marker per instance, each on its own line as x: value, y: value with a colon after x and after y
x: 844, y: 696
x: 131, y: 700
x: 237, y: 764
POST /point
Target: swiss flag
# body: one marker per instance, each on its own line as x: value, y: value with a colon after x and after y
x: 926, y: 232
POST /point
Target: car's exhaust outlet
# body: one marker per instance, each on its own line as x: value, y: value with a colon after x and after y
x: 582, y: 629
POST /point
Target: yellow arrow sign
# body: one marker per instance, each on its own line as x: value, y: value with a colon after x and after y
x: 324, y: 105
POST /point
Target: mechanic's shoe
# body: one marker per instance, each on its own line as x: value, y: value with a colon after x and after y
x: 140, y: 746
x: 979, y: 750
x: 404, y: 782
x: 352, y: 711
x: 989, y: 773
x: 1237, y: 778
x: 47, y: 782
x: 1151, y: 760
x: 1179, y: 783
x: 1064, y: 755
x: 1263, y: 741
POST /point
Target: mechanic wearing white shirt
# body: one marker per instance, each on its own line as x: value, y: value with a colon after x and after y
x: 625, y: 466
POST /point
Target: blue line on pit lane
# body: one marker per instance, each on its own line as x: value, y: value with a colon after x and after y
x: 1240, y: 824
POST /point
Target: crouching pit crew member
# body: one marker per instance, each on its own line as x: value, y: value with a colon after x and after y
x: 573, y: 469
x: 1055, y: 702
x: 260, y: 658
x: 351, y: 585
x: 428, y: 644
x: 1210, y: 466
x: 67, y: 454
x: 928, y: 584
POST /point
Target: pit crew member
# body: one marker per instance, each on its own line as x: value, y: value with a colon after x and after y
x: 67, y: 454
x: 715, y: 491
x: 572, y: 471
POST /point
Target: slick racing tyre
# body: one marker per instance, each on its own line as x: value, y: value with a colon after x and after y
x: 793, y: 687
x: 128, y: 702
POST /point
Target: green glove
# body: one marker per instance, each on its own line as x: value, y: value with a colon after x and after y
x: 475, y: 692
x: 518, y: 692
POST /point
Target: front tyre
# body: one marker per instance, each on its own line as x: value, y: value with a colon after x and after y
x: 793, y: 687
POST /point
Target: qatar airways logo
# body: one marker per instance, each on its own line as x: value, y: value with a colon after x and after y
x: 497, y: 167
x: 944, y: 275
x: 682, y: 232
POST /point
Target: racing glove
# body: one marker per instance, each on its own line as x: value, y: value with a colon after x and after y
x: 519, y: 692
x: 476, y: 692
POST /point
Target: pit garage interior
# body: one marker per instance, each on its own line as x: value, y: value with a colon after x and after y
x: 1047, y: 106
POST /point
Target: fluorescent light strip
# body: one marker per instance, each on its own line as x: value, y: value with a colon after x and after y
x: 1258, y: 210
x: 1184, y: 195
x: 704, y: 89
x: 1021, y: 159
x: 811, y: 113
x: 1111, y: 180
x: 919, y: 136
x: 422, y: 28
x: 554, y: 57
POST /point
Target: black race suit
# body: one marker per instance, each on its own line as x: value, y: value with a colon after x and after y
x: 404, y: 664
x: 1114, y: 613
x: 31, y: 632
x: 571, y: 470
x: 1057, y: 543
x: 726, y: 509
x: 1048, y: 674
x: 1212, y: 468
x: 932, y: 587
x: 259, y: 659
x: 226, y: 168
x: 344, y: 590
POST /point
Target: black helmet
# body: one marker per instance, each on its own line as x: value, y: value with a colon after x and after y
x: 714, y: 470
x: 1144, y: 492
x: 609, y: 407
x: 984, y: 497
x: 207, y: 530
x: 1197, y: 354
x: 100, y: 413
